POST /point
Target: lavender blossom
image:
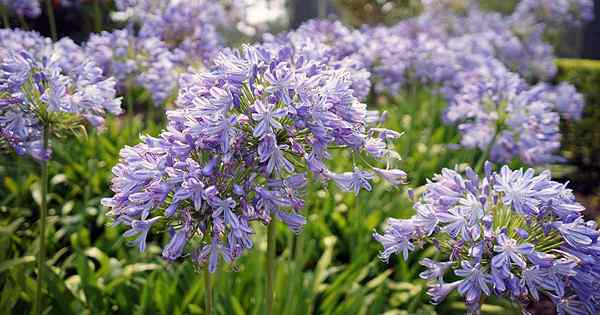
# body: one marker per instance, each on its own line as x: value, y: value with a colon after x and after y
x: 37, y: 93
x: 454, y: 36
x: 28, y: 8
x: 564, y: 12
x: 496, y: 112
x: 12, y: 40
x: 187, y: 28
x: 239, y: 148
x: 566, y: 100
x: 530, y: 239
x: 333, y: 45
x: 134, y: 61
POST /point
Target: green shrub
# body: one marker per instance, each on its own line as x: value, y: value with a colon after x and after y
x: 581, y: 139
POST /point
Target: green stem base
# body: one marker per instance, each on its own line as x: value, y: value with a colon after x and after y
x: 208, y: 296
x: 41, y: 259
x: 51, y: 19
x: 270, y: 266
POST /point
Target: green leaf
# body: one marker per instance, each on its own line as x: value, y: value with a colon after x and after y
x: 5, y: 265
x: 10, y: 229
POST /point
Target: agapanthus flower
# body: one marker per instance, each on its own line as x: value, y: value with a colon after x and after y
x: 16, y: 39
x: 114, y: 52
x: 559, y: 13
x: 240, y: 147
x: 450, y: 37
x: 333, y: 45
x: 188, y: 28
x: 37, y: 94
x: 28, y: 8
x: 567, y: 101
x: 497, y: 112
x: 389, y: 66
x: 134, y: 61
x: 480, y: 62
x: 71, y: 3
x: 69, y: 56
x: 513, y: 234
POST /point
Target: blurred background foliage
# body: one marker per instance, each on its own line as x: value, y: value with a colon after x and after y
x: 581, y: 139
x: 568, y: 42
x: 331, y: 268
x: 359, y: 12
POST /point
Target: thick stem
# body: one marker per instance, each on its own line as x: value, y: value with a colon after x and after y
x: 485, y: 154
x: 130, y: 113
x: 149, y: 121
x: 23, y: 22
x: 51, y: 19
x: 41, y: 260
x: 208, y: 296
x: 5, y: 19
x: 129, y: 100
x: 372, y: 96
x: 97, y: 16
x: 270, y: 266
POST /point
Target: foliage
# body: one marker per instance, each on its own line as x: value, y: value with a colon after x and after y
x: 505, y: 7
x: 581, y: 139
x: 359, y: 12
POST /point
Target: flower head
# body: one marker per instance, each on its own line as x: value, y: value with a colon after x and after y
x: 512, y: 234
x: 41, y: 92
x: 28, y: 8
x: 239, y: 148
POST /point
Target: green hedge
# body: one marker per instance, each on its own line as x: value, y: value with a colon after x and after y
x: 581, y: 139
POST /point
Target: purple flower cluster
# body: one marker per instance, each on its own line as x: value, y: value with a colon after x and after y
x: 497, y: 112
x: 189, y: 28
x: 170, y: 37
x: 559, y: 13
x: 67, y: 53
x: 480, y: 62
x: 512, y: 234
x: 135, y: 61
x: 72, y: 3
x: 335, y: 45
x: 467, y: 37
x: 517, y: 39
x: 17, y: 39
x: 28, y: 8
x: 240, y: 147
x: 565, y: 99
x: 50, y: 90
